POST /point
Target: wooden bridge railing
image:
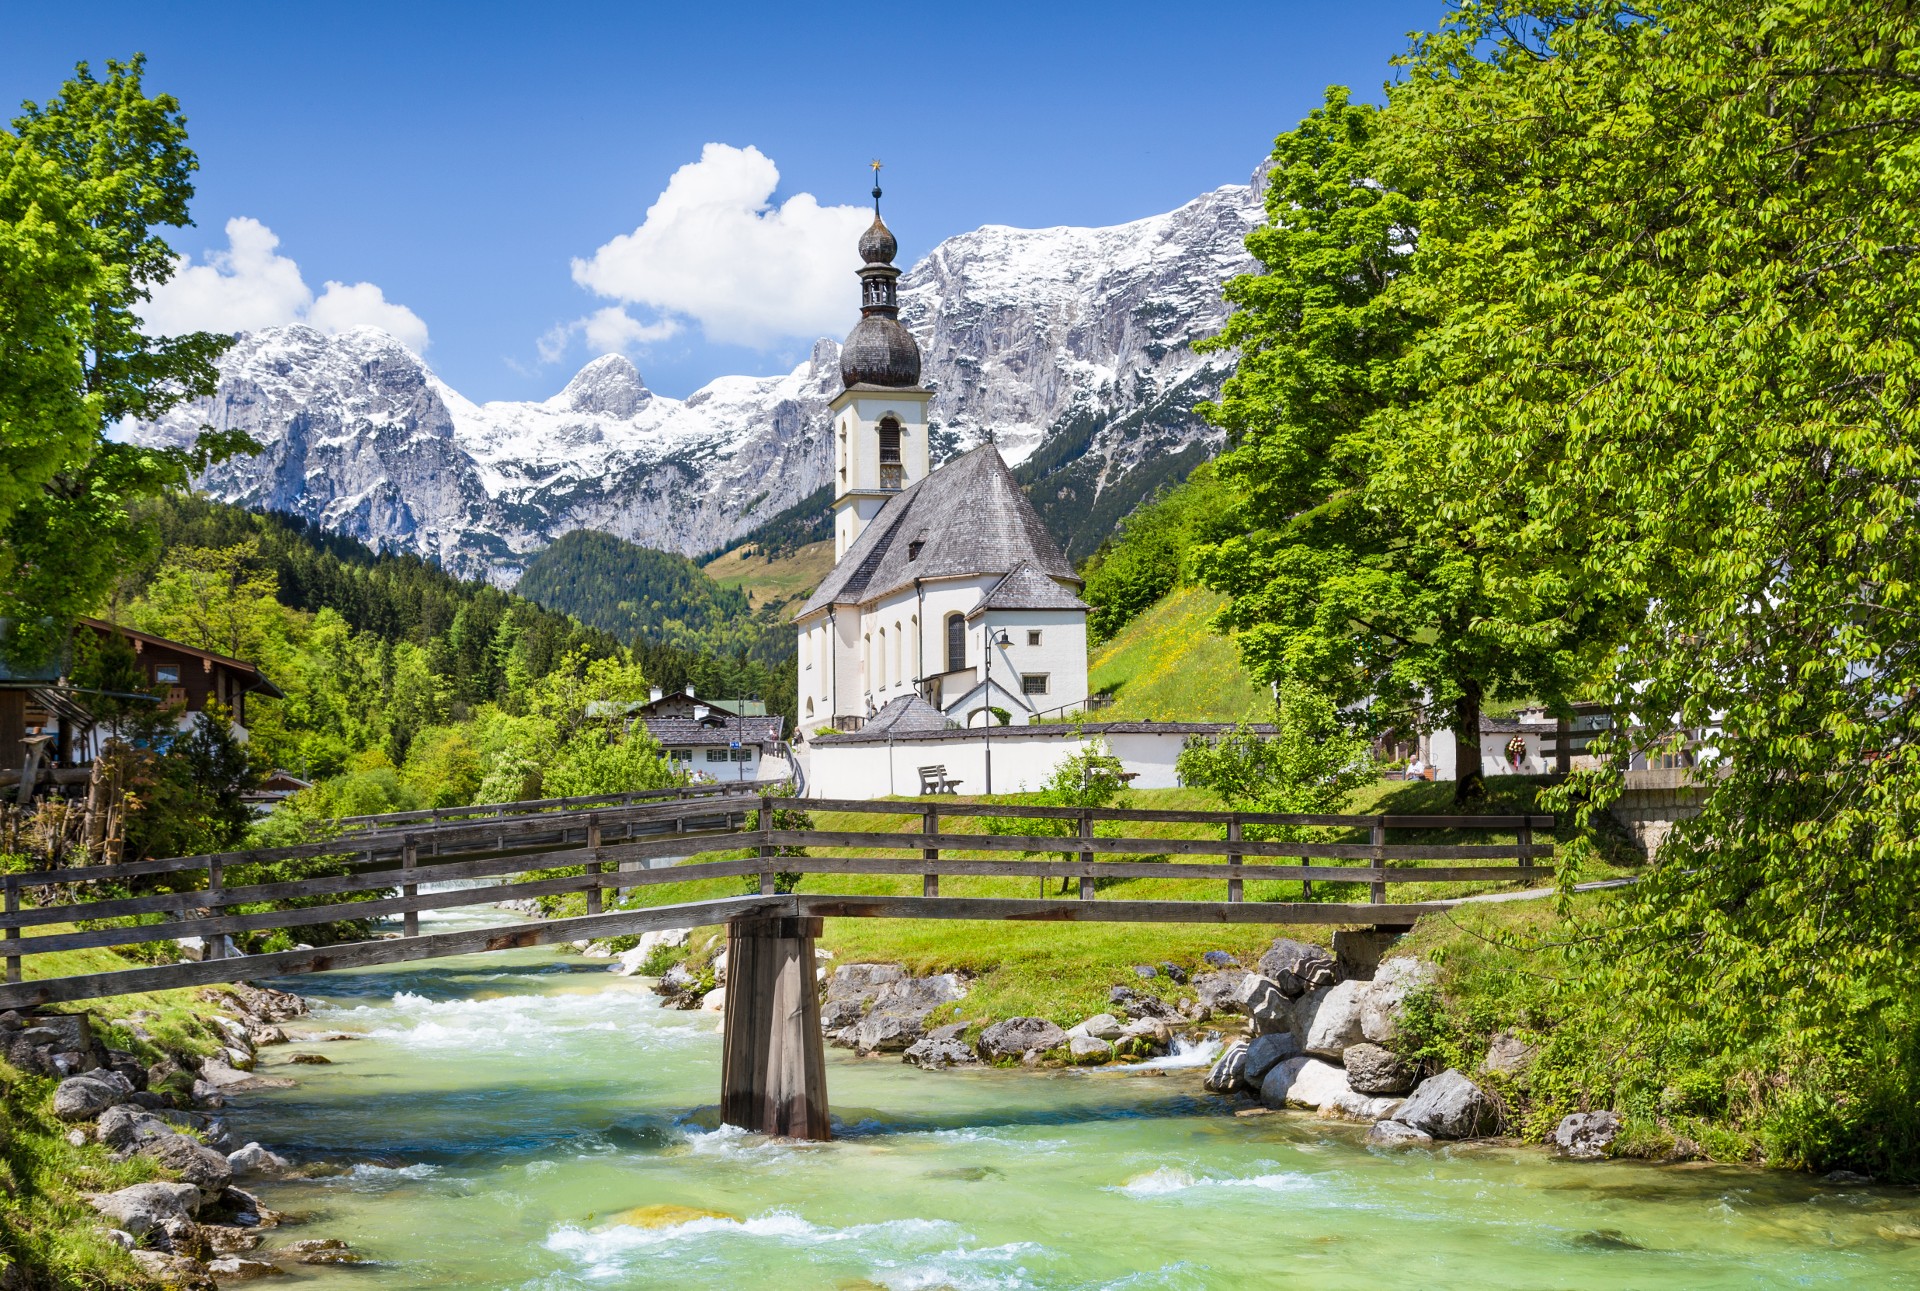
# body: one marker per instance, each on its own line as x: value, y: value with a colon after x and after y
x: 389, y: 864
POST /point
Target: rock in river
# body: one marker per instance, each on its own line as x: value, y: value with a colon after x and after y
x: 1018, y: 1036
x: 1373, y: 1070
x: 1296, y: 967
x: 1586, y: 1135
x: 1265, y: 1052
x: 1266, y: 1006
x: 1229, y: 1072
x: 1328, y: 1020
x: 1448, y: 1106
x: 148, y: 1206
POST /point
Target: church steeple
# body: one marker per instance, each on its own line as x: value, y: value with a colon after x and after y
x: 879, y: 351
x: 880, y: 418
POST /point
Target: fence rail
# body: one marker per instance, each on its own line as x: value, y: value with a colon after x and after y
x: 384, y: 868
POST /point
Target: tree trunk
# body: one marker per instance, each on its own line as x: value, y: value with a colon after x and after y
x: 1468, y: 782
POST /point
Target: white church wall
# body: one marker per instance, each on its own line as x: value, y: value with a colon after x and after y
x: 1022, y: 760
x: 1060, y: 655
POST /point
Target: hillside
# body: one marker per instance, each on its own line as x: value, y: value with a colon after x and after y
x: 636, y: 592
x: 1166, y: 666
x: 778, y: 585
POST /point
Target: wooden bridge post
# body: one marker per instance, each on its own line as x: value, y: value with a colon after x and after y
x: 1086, y: 854
x: 215, y: 943
x: 766, y: 848
x: 13, y: 928
x: 593, y: 866
x: 409, y: 859
x: 1236, y: 887
x: 1377, y: 895
x: 930, y: 825
x: 773, y: 1074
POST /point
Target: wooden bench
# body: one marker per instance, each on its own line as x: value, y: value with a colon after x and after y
x: 934, y: 780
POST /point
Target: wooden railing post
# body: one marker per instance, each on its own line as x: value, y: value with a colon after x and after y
x: 930, y: 826
x: 1086, y: 854
x: 409, y: 860
x: 13, y: 928
x: 593, y: 865
x: 1235, y: 886
x: 1378, y: 893
x: 215, y: 943
x: 766, y: 845
x: 1526, y: 847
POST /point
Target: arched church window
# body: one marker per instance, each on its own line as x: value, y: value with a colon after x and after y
x: 956, y: 642
x: 889, y: 440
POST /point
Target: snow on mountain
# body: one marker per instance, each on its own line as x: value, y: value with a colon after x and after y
x: 1071, y: 346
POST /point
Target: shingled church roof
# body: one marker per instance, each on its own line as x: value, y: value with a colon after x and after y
x: 1026, y: 588
x: 966, y: 519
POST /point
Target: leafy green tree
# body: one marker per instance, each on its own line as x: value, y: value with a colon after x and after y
x: 1670, y: 262
x: 1308, y: 766
x: 88, y: 178
x: 1149, y: 556
x: 1091, y: 777
x: 1347, y: 576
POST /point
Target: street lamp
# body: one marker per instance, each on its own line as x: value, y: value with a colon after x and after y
x: 987, y: 641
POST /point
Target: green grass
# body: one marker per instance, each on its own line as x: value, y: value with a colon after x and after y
x: 785, y: 581
x: 1063, y: 971
x: 1167, y: 666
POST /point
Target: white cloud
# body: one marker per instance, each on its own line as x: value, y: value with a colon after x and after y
x: 250, y: 285
x: 714, y: 249
x: 607, y: 331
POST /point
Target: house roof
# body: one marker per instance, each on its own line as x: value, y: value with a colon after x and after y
x: 907, y: 713
x: 677, y: 731
x: 252, y: 677
x: 1026, y: 588
x: 966, y: 519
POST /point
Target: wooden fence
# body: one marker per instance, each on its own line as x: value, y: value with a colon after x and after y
x: 387, y: 859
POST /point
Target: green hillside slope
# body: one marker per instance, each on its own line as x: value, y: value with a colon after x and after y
x: 1166, y: 666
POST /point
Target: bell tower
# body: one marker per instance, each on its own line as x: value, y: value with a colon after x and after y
x: 880, y: 415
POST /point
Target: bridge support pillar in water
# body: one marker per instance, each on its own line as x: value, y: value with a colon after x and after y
x: 773, y: 1075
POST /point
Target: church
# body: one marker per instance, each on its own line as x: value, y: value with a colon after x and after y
x: 947, y: 591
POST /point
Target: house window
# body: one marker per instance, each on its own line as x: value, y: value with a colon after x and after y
x: 681, y: 755
x: 167, y: 674
x: 743, y: 755
x: 716, y: 755
x: 1033, y: 683
x: 956, y: 642
x: 1033, y: 638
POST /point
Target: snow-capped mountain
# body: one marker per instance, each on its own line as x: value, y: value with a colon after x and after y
x: 1071, y: 346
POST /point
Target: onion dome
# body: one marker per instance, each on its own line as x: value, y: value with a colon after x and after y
x: 876, y: 244
x: 880, y: 351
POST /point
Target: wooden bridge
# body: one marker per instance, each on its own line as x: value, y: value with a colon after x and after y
x: 774, y: 1071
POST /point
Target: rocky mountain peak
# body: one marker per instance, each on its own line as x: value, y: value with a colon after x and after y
x: 610, y: 386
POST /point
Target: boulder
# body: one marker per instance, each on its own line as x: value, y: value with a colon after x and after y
x: 254, y: 1159
x: 224, y: 1077
x: 124, y: 1128
x: 629, y: 962
x: 266, y: 1035
x: 896, y: 1013
x: 715, y: 1000
x: 175, y: 1272
x: 1086, y: 1048
x: 1373, y: 1070
x: 1396, y: 979
x: 1229, y: 1071
x: 1218, y: 959
x: 1144, y: 1037
x: 1266, y: 1006
x: 1145, y: 972
x: 1304, y: 1082
x: 1265, y: 1052
x: 82, y: 1098
x: 1101, y: 1026
x: 1296, y: 967
x: 232, y: 1268
x: 1018, y: 1036
x: 194, y: 1162
x: 1585, y: 1136
x: 145, y: 1207
x: 1508, y: 1053
x: 1136, y: 1005
x: 678, y: 988
x: 1219, y: 991
x: 1394, y: 1134
x: 1363, y: 1107
x: 884, y: 1033
x: 1328, y: 1020
x: 23, y: 1053
x: 226, y: 1239
x: 937, y: 1054
x: 1172, y: 971
x: 1448, y: 1106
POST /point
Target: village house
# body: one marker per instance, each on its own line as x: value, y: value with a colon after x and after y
x: 717, y: 739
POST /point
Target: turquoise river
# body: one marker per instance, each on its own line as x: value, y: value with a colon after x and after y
x: 498, y: 1113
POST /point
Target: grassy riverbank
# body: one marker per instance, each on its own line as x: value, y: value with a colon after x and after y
x: 49, y: 1237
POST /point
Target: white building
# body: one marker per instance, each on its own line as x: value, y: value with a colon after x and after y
x: 946, y: 583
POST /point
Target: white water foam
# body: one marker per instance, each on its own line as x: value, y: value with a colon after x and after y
x: 378, y: 1178
x: 606, y: 1251
x: 1186, y: 1053
x: 512, y: 1023
x: 1168, y: 1180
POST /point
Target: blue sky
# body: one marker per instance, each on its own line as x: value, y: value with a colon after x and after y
x: 444, y: 167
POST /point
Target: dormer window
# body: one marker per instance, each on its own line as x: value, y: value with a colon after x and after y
x: 913, y: 549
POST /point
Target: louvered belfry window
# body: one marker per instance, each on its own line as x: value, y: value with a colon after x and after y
x: 890, y: 441
x: 956, y: 642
